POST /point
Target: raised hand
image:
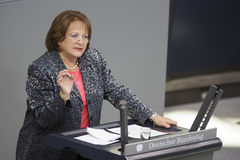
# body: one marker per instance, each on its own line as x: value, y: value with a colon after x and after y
x: 65, y: 81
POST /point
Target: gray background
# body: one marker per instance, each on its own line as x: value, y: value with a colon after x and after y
x: 132, y: 35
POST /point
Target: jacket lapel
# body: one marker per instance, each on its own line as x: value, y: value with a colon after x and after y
x: 85, y: 67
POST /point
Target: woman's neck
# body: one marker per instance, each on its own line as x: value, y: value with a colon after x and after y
x: 69, y: 61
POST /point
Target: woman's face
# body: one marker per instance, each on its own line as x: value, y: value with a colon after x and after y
x: 75, y: 41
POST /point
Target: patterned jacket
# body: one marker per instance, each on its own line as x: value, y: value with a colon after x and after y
x: 46, y: 112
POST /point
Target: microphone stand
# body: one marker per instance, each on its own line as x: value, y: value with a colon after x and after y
x: 124, y: 124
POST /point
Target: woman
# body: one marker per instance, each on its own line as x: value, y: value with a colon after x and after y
x: 66, y: 87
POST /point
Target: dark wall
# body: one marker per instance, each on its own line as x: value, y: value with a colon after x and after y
x: 204, y: 36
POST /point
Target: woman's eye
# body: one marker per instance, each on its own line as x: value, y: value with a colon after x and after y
x: 74, y: 35
x: 85, y: 36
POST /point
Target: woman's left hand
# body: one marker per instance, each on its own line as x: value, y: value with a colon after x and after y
x: 163, y: 121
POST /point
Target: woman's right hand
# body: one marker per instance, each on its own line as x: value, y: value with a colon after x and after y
x: 65, y: 81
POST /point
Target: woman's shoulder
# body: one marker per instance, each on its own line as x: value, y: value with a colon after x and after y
x: 47, y: 57
x: 93, y: 54
x: 45, y: 61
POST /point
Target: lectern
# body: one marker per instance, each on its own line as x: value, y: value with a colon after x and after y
x: 179, y: 143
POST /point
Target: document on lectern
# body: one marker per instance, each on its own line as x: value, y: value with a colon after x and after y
x: 104, y: 137
x: 134, y: 131
x: 99, y: 137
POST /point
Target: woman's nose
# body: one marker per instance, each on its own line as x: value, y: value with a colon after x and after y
x: 80, y: 40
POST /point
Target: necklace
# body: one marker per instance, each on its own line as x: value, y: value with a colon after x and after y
x: 73, y: 68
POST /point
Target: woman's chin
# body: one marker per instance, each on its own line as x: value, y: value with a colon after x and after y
x: 77, y: 54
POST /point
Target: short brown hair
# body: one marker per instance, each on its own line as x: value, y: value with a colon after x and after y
x: 60, y: 25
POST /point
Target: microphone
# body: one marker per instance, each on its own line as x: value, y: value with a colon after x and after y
x: 124, y: 124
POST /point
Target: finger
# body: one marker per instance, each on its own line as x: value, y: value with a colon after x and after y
x: 59, y: 80
x: 72, y: 77
x: 174, y: 123
x: 68, y: 75
x: 64, y: 75
x: 166, y: 122
x: 171, y: 122
x: 163, y: 124
x: 61, y: 73
x: 166, y: 125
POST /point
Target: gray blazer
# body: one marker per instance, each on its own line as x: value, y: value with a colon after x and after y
x: 46, y: 112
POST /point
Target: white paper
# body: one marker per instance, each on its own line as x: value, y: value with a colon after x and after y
x: 134, y: 131
x: 102, y: 134
x: 93, y: 140
x: 99, y: 137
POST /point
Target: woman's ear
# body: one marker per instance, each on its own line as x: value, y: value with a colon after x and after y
x: 59, y: 46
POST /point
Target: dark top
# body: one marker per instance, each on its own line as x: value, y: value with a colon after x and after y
x: 46, y: 112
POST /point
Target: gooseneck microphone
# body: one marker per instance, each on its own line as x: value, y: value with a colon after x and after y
x: 124, y: 124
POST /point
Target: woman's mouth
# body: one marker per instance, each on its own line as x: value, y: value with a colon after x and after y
x: 78, y: 49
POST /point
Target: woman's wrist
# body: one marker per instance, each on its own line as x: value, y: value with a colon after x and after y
x: 152, y: 116
x: 64, y: 97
